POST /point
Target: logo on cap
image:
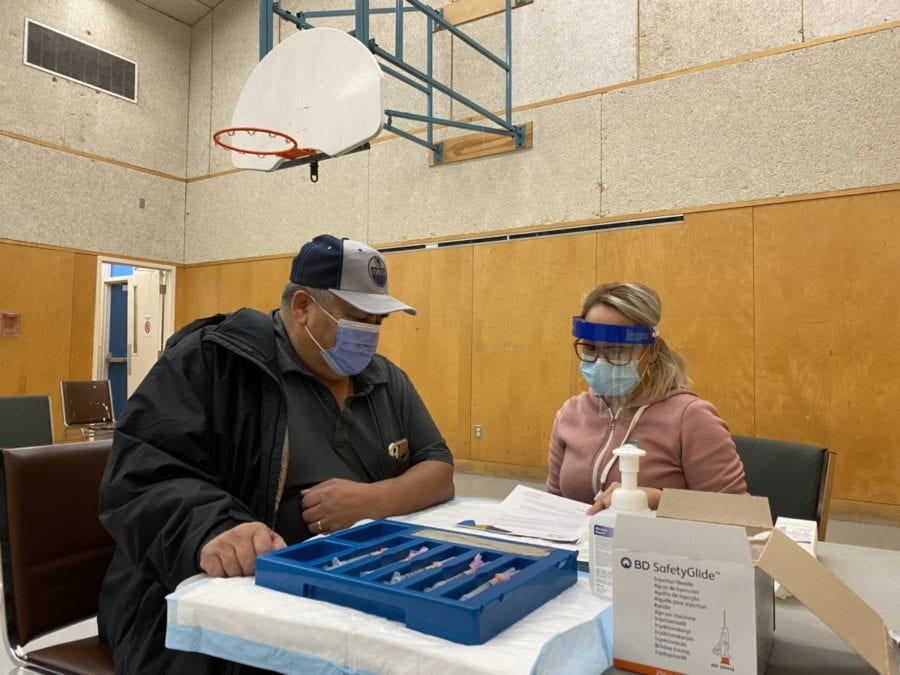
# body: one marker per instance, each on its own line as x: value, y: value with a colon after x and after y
x: 377, y: 271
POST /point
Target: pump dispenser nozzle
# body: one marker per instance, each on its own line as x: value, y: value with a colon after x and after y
x: 629, y: 497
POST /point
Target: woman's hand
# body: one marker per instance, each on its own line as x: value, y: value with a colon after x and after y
x: 605, y: 498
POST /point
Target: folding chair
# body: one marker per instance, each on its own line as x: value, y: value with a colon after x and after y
x: 87, y: 406
x: 25, y: 420
x: 795, y: 477
x: 55, y: 552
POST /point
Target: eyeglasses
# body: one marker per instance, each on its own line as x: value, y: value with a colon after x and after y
x: 615, y: 355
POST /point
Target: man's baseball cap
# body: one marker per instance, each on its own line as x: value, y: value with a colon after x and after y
x: 353, y: 271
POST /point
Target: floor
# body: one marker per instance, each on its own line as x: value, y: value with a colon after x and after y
x: 468, y: 485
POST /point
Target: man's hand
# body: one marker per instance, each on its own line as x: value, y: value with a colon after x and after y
x: 233, y: 552
x: 605, y: 498
x: 337, y: 503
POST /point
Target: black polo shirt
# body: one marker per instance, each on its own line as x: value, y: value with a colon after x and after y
x: 327, y: 441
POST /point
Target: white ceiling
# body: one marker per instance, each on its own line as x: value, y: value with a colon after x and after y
x: 185, y: 11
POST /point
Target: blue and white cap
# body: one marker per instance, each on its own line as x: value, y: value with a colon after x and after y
x: 353, y: 271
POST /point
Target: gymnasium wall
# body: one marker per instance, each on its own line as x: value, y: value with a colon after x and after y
x: 616, y: 131
x: 620, y: 126
x: 85, y: 169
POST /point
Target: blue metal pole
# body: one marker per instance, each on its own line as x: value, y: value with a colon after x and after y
x: 429, y: 49
x: 265, y: 27
x: 449, y: 123
x: 320, y: 13
x: 509, y: 61
x: 398, y: 30
x: 362, y: 21
x: 404, y: 79
x: 387, y: 56
x: 296, y: 20
x: 458, y: 33
x: 410, y: 137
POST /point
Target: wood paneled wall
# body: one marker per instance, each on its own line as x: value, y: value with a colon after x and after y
x: 784, y: 313
x: 702, y: 270
x: 54, y: 290
x: 203, y: 290
x: 437, y: 342
x: 827, y: 322
x: 525, y: 295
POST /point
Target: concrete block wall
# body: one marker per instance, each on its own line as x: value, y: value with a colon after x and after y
x: 680, y: 34
x: 805, y: 121
x: 92, y: 201
x: 62, y: 199
x: 606, y: 143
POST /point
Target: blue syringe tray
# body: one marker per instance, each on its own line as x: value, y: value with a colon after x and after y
x: 422, y: 576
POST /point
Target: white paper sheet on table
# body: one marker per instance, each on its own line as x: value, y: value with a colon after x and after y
x: 447, y: 516
x: 527, y: 512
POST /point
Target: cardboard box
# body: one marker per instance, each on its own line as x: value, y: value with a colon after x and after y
x: 804, y: 533
x: 693, y: 589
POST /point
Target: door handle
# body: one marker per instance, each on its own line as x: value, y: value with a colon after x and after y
x: 134, y: 322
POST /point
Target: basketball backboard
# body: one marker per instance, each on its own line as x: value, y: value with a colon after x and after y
x: 321, y: 88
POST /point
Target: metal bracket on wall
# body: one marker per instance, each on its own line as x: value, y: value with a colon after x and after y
x: 394, y: 65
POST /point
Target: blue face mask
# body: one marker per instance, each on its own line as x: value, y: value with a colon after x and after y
x: 610, y: 380
x: 354, y: 345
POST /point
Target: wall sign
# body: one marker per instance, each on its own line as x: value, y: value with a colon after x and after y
x: 9, y: 324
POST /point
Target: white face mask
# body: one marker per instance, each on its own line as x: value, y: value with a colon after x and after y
x: 609, y: 380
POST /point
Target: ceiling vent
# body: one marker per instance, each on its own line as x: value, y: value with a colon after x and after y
x: 60, y: 54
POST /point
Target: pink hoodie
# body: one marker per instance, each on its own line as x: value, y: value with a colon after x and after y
x: 688, y: 445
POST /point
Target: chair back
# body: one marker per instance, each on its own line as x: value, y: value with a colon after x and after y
x: 25, y: 420
x: 55, y: 551
x: 87, y: 405
x: 795, y: 477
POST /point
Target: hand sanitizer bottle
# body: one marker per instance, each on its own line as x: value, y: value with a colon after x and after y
x: 628, y: 498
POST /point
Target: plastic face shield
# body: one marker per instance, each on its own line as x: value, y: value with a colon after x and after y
x: 615, y: 344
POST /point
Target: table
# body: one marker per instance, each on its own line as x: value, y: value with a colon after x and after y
x: 328, y: 638
x: 237, y: 620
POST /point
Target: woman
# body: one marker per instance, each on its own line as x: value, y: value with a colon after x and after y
x: 638, y: 392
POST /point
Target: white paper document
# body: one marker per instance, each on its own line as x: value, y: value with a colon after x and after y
x: 527, y: 512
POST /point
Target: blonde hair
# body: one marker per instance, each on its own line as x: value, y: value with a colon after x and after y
x: 642, y: 305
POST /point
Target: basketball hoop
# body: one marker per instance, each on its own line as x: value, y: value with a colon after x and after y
x: 265, y: 139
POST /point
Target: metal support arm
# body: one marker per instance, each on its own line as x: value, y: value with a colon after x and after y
x: 396, y: 67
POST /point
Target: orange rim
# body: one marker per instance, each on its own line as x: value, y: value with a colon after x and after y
x: 291, y: 152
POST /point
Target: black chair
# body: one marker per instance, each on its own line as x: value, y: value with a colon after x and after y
x: 55, y: 552
x: 795, y: 477
x: 25, y: 420
x: 87, y: 406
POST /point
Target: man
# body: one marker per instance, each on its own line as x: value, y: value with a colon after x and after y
x: 253, y: 431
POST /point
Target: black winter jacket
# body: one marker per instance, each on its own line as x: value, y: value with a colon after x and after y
x: 198, y: 451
